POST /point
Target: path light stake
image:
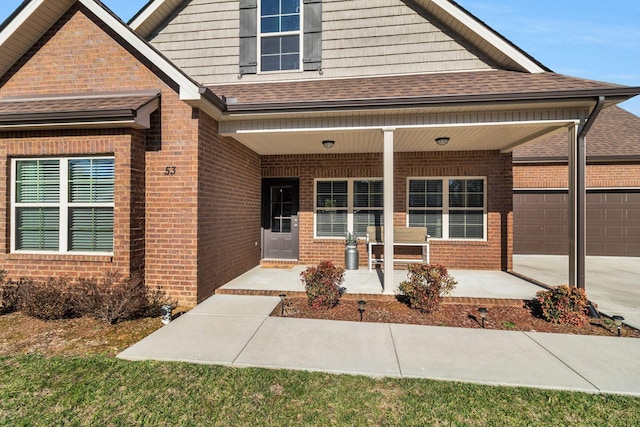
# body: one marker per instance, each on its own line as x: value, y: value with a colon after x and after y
x: 361, y: 305
x: 618, y: 320
x: 165, y: 312
x: 282, y: 297
x: 483, y: 313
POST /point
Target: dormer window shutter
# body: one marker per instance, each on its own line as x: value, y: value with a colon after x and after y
x: 248, y: 36
x: 312, y: 50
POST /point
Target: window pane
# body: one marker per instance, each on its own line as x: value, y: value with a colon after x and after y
x: 466, y: 193
x: 331, y: 223
x: 91, y: 229
x: 430, y: 219
x: 270, y: 45
x: 368, y: 194
x: 91, y: 181
x: 290, y: 6
x: 290, y: 23
x: 37, y: 228
x: 270, y: 25
x: 38, y: 181
x: 269, y: 7
x: 270, y: 63
x: 466, y: 225
x: 367, y: 218
x: 425, y: 193
x: 280, y: 53
x: 290, y: 62
x: 331, y: 194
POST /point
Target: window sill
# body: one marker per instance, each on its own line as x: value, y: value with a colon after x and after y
x: 60, y: 257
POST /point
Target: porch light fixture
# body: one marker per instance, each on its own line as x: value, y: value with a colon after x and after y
x: 165, y: 312
x: 442, y: 140
x: 328, y: 143
x: 483, y: 313
x: 282, y: 298
x: 361, y: 305
x: 618, y: 320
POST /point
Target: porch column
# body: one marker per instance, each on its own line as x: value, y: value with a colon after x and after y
x: 577, y: 207
x: 388, y: 210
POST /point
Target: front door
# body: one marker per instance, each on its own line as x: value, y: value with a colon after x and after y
x: 280, y: 218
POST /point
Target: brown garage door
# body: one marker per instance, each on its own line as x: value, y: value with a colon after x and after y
x: 541, y: 223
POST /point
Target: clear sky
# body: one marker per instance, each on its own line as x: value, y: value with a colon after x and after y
x: 592, y: 39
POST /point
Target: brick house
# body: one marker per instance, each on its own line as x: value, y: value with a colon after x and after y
x: 207, y: 136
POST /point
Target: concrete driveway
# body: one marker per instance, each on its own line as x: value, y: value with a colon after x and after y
x: 613, y: 283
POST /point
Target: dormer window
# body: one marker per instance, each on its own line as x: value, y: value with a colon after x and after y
x: 280, y: 35
x: 280, y: 41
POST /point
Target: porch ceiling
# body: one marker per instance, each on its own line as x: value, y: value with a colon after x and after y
x: 502, y: 137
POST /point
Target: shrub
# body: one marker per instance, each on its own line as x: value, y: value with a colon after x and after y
x: 425, y: 286
x: 114, y: 298
x: 8, y: 294
x: 322, y: 284
x: 46, y: 299
x: 563, y: 304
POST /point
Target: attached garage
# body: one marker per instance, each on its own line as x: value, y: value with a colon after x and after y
x: 541, y: 222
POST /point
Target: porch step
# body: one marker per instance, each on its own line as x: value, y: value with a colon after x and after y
x: 480, y: 302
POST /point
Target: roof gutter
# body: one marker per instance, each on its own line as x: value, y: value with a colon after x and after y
x: 621, y: 93
x: 592, y: 117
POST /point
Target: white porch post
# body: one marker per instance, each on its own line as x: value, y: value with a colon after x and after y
x: 577, y: 207
x: 388, y: 210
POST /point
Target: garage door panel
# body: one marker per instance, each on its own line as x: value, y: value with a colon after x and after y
x: 613, y: 223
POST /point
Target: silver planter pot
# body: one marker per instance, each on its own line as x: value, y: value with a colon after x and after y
x: 351, y: 257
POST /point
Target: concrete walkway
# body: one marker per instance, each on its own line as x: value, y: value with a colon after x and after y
x: 237, y: 331
x: 613, y: 283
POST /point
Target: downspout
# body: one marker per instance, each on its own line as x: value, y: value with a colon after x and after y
x: 577, y: 199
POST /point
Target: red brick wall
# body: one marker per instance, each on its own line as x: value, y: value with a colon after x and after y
x: 156, y: 221
x: 600, y: 175
x: 228, y: 209
x: 495, y: 253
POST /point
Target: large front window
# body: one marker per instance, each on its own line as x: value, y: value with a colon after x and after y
x: 450, y: 208
x: 347, y: 205
x: 280, y: 36
x: 63, y: 205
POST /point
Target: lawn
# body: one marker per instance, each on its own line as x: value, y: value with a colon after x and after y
x: 102, y: 390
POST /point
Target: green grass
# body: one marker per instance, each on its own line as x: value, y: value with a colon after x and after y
x: 74, y: 391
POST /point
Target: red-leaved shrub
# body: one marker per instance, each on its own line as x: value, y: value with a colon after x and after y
x: 563, y: 304
x: 322, y: 284
x: 426, y: 285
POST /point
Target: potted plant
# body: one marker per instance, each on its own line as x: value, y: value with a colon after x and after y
x: 351, y: 254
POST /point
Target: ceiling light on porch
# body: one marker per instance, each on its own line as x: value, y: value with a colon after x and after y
x: 442, y: 140
x: 327, y: 143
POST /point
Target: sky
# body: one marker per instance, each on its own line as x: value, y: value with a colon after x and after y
x: 592, y: 39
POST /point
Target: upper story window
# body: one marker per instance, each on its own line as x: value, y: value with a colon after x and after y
x: 280, y: 35
x: 280, y: 41
x: 62, y: 205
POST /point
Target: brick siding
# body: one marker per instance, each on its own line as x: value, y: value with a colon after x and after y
x: 494, y: 254
x: 599, y: 175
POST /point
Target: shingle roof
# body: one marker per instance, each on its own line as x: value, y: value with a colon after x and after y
x: 477, y: 83
x: 56, y: 108
x: 615, y: 133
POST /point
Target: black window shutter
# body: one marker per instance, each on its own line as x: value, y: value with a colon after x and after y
x: 312, y: 55
x: 248, y: 37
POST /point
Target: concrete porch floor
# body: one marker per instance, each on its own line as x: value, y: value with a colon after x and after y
x: 471, y: 283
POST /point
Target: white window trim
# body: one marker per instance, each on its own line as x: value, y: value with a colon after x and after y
x: 260, y: 35
x: 349, y: 208
x: 63, y: 206
x: 445, y: 206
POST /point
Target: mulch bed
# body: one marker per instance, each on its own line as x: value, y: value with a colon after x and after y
x: 452, y: 315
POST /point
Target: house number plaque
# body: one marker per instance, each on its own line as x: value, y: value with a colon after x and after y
x: 170, y: 170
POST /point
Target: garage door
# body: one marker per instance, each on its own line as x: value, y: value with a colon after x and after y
x: 541, y: 221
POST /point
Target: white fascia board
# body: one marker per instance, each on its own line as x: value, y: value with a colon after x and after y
x: 19, y: 20
x: 488, y: 35
x: 150, y: 10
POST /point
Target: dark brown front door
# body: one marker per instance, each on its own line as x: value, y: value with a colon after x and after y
x: 280, y: 218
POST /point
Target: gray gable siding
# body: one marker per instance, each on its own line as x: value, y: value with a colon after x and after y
x: 359, y: 38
